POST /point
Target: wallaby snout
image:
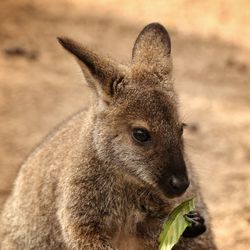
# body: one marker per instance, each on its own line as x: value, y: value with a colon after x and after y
x: 174, y: 181
x: 174, y: 185
x: 178, y: 185
x: 179, y: 181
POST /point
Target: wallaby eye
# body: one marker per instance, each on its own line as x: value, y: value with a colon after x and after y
x: 183, y: 125
x: 140, y: 135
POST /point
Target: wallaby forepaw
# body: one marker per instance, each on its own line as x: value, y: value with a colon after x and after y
x: 197, y: 227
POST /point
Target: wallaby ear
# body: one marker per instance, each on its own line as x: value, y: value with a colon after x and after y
x: 101, y: 73
x: 152, y: 47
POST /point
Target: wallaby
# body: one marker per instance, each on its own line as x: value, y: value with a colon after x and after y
x: 109, y: 176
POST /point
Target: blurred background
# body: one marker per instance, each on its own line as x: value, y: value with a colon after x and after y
x: 40, y: 85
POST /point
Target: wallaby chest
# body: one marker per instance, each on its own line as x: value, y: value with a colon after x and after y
x: 137, y: 231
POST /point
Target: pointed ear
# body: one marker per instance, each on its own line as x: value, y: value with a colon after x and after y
x: 152, y: 47
x: 101, y: 73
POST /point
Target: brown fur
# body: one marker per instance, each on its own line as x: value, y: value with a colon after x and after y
x: 89, y: 185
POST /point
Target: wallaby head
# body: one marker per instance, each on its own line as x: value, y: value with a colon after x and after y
x: 136, y: 126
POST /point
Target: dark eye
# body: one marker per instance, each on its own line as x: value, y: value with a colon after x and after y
x: 140, y: 135
x: 183, y: 125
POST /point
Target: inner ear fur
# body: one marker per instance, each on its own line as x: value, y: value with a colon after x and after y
x: 101, y: 73
x: 152, y: 48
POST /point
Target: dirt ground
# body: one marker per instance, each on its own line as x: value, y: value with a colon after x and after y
x: 40, y: 85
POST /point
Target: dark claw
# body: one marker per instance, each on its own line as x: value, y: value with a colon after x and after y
x: 197, y: 227
x: 194, y: 217
x: 192, y: 214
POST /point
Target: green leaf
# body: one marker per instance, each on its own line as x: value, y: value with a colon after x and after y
x: 175, y: 225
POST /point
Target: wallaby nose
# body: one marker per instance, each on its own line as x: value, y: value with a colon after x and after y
x: 178, y: 185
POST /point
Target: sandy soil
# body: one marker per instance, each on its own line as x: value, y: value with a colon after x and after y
x: 43, y: 85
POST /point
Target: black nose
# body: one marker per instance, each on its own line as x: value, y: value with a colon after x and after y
x: 178, y: 185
